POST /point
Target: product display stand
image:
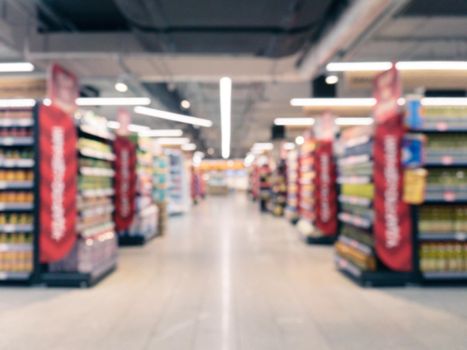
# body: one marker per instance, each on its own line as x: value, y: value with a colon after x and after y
x: 161, y: 177
x: 440, y: 222
x: 375, y: 243
x: 279, y: 189
x: 145, y: 221
x: 19, y: 262
x: 291, y: 211
x: 94, y: 255
x: 178, y: 192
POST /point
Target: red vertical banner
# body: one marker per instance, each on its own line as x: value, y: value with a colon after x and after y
x: 392, y: 227
x: 58, y: 183
x: 325, y: 189
x: 125, y: 182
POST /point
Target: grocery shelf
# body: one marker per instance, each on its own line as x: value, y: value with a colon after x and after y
x: 354, y: 180
x: 12, y: 276
x: 11, y: 228
x: 16, y: 122
x: 98, y: 193
x: 103, y: 134
x: 448, y: 236
x: 356, y: 244
x: 16, y: 185
x: 16, y: 163
x: 90, y: 171
x: 16, y: 141
x: 357, y: 141
x: 88, y: 152
x: 354, y: 200
x: 97, y: 230
x: 354, y: 220
x: 445, y: 275
x: 353, y: 160
x: 16, y: 206
x: 13, y: 247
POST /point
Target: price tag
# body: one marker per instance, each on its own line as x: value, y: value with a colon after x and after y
x: 449, y: 196
x: 447, y: 160
x: 442, y: 126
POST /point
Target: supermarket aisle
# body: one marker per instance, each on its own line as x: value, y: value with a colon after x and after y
x: 227, y: 277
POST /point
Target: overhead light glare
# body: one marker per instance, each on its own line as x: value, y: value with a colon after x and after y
x: 263, y: 146
x: 444, y: 101
x: 189, y: 147
x: 225, y: 90
x: 332, y: 79
x: 156, y: 113
x: 185, y: 104
x: 294, y: 121
x: 132, y: 127
x: 353, y: 121
x: 121, y: 86
x: 299, y: 140
x: 16, y: 67
x: 288, y: 146
x: 401, y: 65
x: 113, y: 101
x: 358, y: 66
x: 17, y: 102
x: 332, y: 102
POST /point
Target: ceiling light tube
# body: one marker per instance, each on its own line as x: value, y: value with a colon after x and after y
x: 155, y: 113
x: 294, y: 121
x: 17, y: 102
x: 358, y: 66
x: 173, y: 141
x: 162, y: 133
x: 431, y: 65
x: 112, y: 101
x: 264, y: 146
x: 12, y: 67
x: 332, y: 102
x: 225, y: 88
x: 189, y: 147
x: 132, y: 127
x: 353, y: 121
x: 444, y: 101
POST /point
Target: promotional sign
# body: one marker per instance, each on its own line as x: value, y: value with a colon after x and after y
x: 325, y: 184
x: 392, y: 226
x: 58, y: 182
x: 125, y: 182
x: 62, y: 88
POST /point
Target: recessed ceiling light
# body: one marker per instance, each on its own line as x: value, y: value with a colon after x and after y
x: 12, y: 67
x: 299, y: 140
x: 185, y: 104
x: 332, y: 79
x: 294, y: 121
x: 121, y: 86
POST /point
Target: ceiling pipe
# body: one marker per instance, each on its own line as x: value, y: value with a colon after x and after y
x: 356, y: 24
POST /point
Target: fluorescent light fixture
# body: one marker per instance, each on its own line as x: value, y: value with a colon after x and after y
x: 332, y: 102
x: 288, y: 146
x: 112, y: 101
x: 132, y: 127
x: 17, y: 102
x: 431, y: 65
x: 444, y: 101
x: 299, y: 140
x: 173, y: 141
x: 162, y: 133
x: 156, y: 113
x: 188, y: 147
x: 358, y: 66
x: 47, y: 101
x: 263, y: 146
x: 402, y: 65
x: 332, y: 79
x: 11, y: 67
x: 121, y: 86
x: 185, y: 104
x: 353, y: 121
x: 294, y: 121
x: 225, y: 88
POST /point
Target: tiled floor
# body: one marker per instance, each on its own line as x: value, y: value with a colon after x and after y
x: 227, y: 277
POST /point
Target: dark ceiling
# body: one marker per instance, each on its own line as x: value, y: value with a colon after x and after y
x: 270, y: 28
x: 436, y: 8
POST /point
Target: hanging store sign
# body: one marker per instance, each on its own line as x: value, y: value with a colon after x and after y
x: 58, y: 183
x: 392, y: 226
x: 125, y: 182
x: 325, y: 185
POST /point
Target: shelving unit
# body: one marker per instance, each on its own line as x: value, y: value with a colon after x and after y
x: 94, y: 254
x: 440, y: 229
x: 145, y: 222
x: 291, y: 211
x: 18, y: 176
x: 178, y: 190
x: 279, y: 189
x: 161, y: 180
